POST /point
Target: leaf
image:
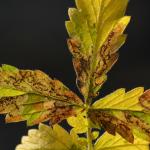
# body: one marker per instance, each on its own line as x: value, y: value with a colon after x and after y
x: 96, y: 33
x: 37, y: 82
x: 95, y: 135
x: 47, y: 138
x: 6, y: 67
x: 78, y: 122
x: 111, y: 124
x: 125, y: 113
x: 81, y: 141
x: 120, y: 100
x: 7, y: 92
x: 110, y: 142
x: 35, y: 97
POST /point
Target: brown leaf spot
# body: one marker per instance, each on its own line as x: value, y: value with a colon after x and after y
x: 111, y: 124
x: 145, y: 100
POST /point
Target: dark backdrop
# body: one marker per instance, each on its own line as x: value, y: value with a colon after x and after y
x: 33, y: 35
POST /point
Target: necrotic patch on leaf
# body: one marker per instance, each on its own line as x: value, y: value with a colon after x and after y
x: 96, y: 33
x: 111, y: 124
x: 37, y: 82
x: 138, y: 122
x: 41, y: 98
x: 145, y: 100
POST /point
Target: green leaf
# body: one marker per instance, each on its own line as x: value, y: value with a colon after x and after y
x: 123, y: 113
x: 96, y: 33
x: 110, y: 142
x: 6, y: 67
x: 47, y: 138
x: 35, y: 97
x: 7, y: 92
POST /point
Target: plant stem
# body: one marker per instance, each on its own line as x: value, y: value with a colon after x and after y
x: 89, y: 139
x: 89, y: 131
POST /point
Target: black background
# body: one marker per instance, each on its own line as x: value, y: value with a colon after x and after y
x: 33, y: 36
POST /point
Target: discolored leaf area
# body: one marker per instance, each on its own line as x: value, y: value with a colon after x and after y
x: 48, y: 138
x: 96, y: 33
x: 78, y: 122
x: 123, y: 113
x: 111, y: 124
x: 110, y: 142
x: 35, y: 97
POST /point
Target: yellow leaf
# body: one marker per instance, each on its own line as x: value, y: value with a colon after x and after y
x: 96, y: 33
x: 47, y: 138
x: 121, y: 101
x: 110, y: 142
x: 79, y: 123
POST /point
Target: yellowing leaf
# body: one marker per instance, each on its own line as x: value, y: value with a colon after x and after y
x: 37, y: 82
x: 35, y: 97
x: 125, y: 113
x: 78, y: 122
x: 110, y: 142
x: 95, y: 135
x: 47, y: 138
x: 96, y: 33
x: 81, y: 141
x: 121, y: 100
x: 111, y: 124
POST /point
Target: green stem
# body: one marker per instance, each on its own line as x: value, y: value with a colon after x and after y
x: 89, y: 139
x: 89, y: 132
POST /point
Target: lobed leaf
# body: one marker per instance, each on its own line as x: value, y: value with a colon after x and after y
x: 35, y: 97
x: 111, y: 124
x: 124, y: 113
x: 78, y: 122
x: 109, y: 142
x: 120, y: 100
x: 47, y: 138
x: 96, y: 33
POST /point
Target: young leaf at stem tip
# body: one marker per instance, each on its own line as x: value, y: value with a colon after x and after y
x: 96, y: 33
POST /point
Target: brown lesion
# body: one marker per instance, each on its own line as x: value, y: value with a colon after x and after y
x: 138, y: 122
x: 107, y: 56
x: 54, y: 113
x: 39, y: 83
x: 74, y: 47
x: 145, y: 100
x: 7, y: 104
x: 51, y: 109
x: 81, y: 64
x: 111, y: 124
